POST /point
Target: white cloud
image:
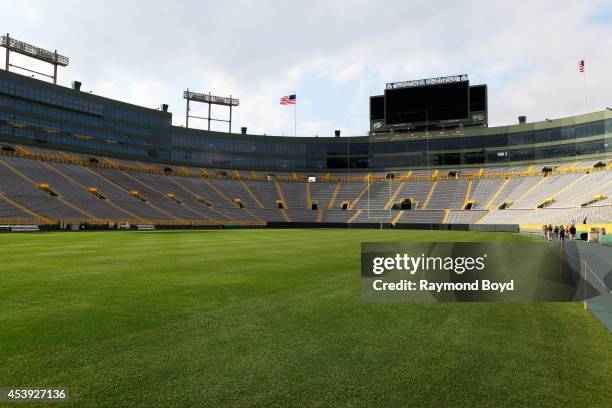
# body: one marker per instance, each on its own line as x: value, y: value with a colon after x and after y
x: 315, y: 128
x: 148, y: 52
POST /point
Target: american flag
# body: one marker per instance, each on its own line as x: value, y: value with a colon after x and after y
x: 288, y: 100
x: 581, y: 66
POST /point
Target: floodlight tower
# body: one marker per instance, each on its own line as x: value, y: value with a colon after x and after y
x: 31, y: 51
x: 210, y: 100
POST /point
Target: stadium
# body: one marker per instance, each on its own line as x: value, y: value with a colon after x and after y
x: 78, y: 160
x: 163, y: 265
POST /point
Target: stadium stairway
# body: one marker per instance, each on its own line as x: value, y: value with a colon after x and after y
x: 323, y: 194
x: 197, y: 201
x: 141, y: 192
x: 251, y: 194
x: 97, y: 203
x: 432, y: 188
x: 29, y: 193
x: 12, y: 212
x: 170, y: 198
x: 208, y: 190
x: 332, y: 200
x: 84, y: 176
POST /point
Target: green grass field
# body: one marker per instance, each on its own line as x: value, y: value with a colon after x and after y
x: 273, y: 318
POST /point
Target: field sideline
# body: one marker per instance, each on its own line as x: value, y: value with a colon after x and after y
x: 273, y: 317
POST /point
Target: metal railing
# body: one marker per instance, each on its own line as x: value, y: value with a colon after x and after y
x: 105, y: 221
x: 207, y: 174
x: 586, y: 270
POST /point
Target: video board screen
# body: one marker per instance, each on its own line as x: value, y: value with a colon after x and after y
x: 478, y: 98
x: 377, y: 107
x: 427, y: 103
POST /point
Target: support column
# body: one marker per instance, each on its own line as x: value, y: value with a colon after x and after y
x: 55, y: 69
x: 230, y: 118
x: 187, y: 114
x: 209, y: 111
x: 6, y: 66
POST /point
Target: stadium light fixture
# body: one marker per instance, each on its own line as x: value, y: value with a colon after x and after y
x: 31, y: 51
x: 210, y: 100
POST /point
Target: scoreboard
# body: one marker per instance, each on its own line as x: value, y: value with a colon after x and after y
x: 434, y: 103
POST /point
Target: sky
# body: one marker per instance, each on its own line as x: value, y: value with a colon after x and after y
x: 332, y: 54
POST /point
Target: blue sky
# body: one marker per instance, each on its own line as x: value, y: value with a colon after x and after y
x: 332, y: 54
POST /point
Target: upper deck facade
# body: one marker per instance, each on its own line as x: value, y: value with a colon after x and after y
x: 40, y: 113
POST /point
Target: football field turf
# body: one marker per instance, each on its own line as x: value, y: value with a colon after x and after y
x: 273, y: 317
